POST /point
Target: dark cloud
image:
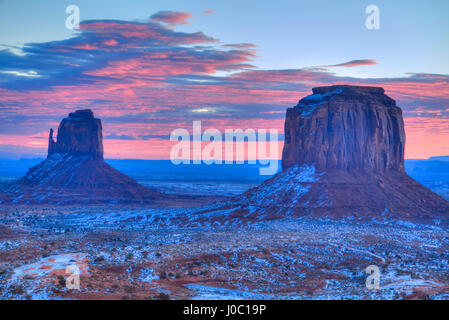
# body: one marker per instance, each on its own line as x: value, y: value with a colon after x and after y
x: 120, y: 137
x: 101, y: 43
x: 240, y: 46
x: 355, y: 63
x: 155, y: 136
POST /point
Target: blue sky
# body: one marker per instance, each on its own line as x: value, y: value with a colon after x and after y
x: 413, y: 35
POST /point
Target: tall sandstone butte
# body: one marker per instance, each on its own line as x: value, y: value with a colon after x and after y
x: 345, y: 128
x: 343, y: 156
x: 80, y: 134
x: 75, y: 172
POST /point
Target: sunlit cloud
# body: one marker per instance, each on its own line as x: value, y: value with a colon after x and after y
x: 29, y: 74
x: 144, y: 79
x: 201, y: 110
x: 172, y: 17
x: 354, y: 63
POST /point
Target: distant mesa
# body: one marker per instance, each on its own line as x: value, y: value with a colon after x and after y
x: 75, y: 172
x: 439, y: 158
x: 343, y: 156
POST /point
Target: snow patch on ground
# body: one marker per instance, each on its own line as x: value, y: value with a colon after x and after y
x: 56, y: 264
x: 294, y: 182
x: 204, y: 292
x: 148, y: 275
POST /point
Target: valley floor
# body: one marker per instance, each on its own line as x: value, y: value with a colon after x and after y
x: 141, y: 254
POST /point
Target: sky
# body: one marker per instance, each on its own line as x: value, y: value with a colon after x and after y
x: 148, y: 67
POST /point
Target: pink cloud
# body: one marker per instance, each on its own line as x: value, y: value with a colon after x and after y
x: 134, y: 33
x: 172, y: 17
x: 426, y: 137
x: 145, y: 79
x: 111, y: 42
x: 85, y: 47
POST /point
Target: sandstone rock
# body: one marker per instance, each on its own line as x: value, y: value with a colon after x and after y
x: 51, y: 144
x: 75, y: 172
x: 345, y: 127
x: 79, y: 134
x: 343, y: 156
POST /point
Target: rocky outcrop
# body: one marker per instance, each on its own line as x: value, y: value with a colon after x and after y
x: 75, y: 172
x: 80, y: 134
x: 343, y: 156
x: 345, y: 127
x: 51, y: 144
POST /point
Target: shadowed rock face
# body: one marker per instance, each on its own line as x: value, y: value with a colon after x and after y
x: 345, y: 127
x: 80, y: 134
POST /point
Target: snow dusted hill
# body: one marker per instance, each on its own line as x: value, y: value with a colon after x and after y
x: 65, y: 179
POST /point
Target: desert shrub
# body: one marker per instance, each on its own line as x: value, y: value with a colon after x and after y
x: 18, y: 289
x: 129, y: 289
x: 99, y: 259
x: 309, y: 292
x: 163, y: 274
x: 61, y: 281
x: 162, y: 296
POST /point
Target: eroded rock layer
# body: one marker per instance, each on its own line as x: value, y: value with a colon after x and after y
x: 345, y: 127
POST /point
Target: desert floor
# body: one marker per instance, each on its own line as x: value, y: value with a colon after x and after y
x: 143, y: 253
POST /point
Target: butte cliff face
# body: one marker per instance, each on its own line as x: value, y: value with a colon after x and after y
x: 80, y: 134
x: 345, y: 128
x: 343, y: 156
x: 75, y: 172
